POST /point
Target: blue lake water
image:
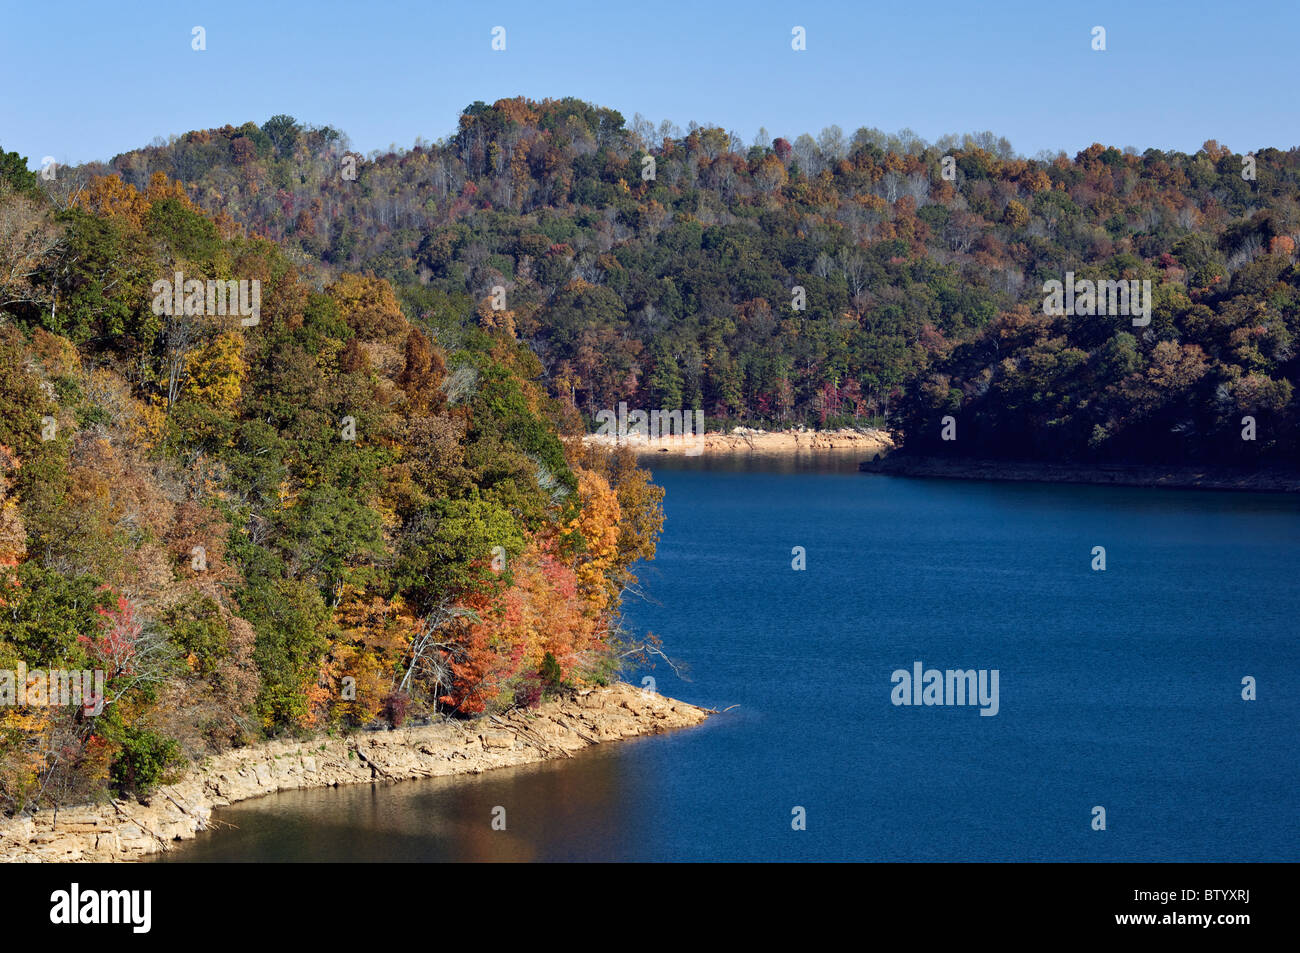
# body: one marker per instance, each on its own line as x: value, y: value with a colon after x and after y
x: 1120, y: 689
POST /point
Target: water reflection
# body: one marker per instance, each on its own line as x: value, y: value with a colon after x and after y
x: 574, y: 808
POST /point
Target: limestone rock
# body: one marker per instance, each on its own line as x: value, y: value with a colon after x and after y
x: 129, y: 831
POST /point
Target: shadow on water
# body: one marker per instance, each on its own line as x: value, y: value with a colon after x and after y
x: 554, y: 811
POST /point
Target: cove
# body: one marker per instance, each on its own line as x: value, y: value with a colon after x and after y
x: 1119, y: 688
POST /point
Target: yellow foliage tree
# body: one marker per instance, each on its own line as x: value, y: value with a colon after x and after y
x: 598, y: 526
x: 369, y: 307
x: 108, y: 195
x: 216, y: 373
x: 374, y: 635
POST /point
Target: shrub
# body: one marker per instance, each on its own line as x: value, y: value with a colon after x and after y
x: 395, y: 706
x: 146, y: 759
x: 551, y: 675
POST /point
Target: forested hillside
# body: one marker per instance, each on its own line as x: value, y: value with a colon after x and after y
x: 659, y: 267
x: 296, y: 521
x: 365, y: 498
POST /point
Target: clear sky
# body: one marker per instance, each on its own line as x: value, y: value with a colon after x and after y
x: 87, y: 81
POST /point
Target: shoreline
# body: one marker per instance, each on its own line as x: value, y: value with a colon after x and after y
x: 746, y: 440
x: 125, y: 830
x: 1172, y: 477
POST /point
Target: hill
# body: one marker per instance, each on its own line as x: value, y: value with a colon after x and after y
x: 661, y: 268
x: 248, y: 505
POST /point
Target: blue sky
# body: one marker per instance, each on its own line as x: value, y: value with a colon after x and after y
x: 86, y: 81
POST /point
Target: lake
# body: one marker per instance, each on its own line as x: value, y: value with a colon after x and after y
x: 1119, y: 689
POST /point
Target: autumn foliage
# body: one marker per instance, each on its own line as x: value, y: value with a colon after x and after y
x: 312, y: 523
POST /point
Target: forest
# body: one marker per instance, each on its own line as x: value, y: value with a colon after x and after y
x: 308, y: 523
x: 373, y: 501
x: 658, y: 266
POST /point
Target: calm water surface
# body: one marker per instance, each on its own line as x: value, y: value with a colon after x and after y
x: 1119, y: 688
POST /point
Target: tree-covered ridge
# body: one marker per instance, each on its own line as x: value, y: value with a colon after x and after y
x: 924, y: 294
x: 325, y: 515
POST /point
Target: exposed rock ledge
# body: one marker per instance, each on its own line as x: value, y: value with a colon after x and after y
x: 744, y: 440
x: 128, y: 830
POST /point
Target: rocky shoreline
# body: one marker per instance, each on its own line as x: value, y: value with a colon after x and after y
x: 763, y: 442
x: 1168, y: 477
x: 129, y: 830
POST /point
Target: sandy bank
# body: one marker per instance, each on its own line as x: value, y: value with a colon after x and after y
x: 743, y: 440
x: 128, y: 830
x: 1168, y: 477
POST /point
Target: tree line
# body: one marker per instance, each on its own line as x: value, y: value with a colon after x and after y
x: 659, y: 266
